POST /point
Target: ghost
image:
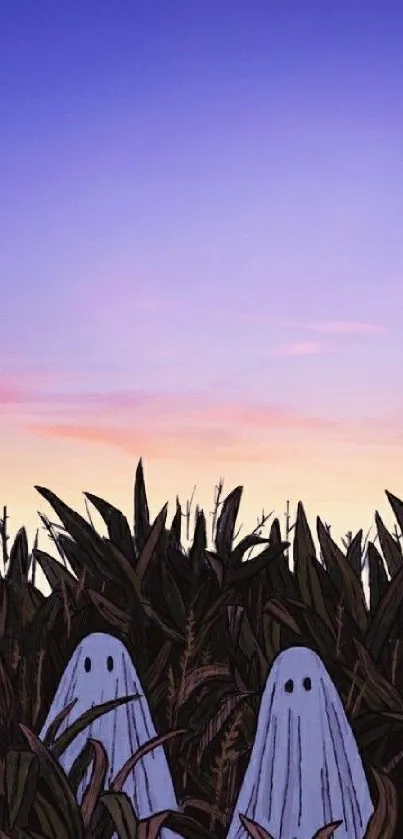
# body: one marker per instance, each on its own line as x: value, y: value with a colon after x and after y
x: 305, y: 770
x: 99, y: 670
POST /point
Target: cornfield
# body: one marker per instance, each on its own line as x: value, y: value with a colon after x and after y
x: 203, y: 627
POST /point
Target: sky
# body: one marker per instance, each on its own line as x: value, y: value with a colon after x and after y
x: 201, y: 257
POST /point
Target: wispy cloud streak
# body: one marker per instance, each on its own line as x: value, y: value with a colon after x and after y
x: 163, y: 409
x: 344, y: 327
x: 156, y: 408
x: 328, y: 327
x: 302, y: 348
x: 179, y: 443
x: 167, y: 425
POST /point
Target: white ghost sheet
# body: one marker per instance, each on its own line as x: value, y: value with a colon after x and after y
x: 305, y: 770
x: 99, y: 670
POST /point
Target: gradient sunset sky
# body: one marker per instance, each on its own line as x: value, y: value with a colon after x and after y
x: 201, y: 255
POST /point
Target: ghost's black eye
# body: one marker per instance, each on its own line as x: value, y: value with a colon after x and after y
x: 87, y: 665
x: 289, y: 686
x: 307, y: 683
x: 109, y: 662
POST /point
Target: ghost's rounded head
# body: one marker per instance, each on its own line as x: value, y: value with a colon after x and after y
x: 100, y: 669
x: 300, y: 677
x: 100, y: 654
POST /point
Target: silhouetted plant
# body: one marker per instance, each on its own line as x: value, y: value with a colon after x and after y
x: 203, y: 625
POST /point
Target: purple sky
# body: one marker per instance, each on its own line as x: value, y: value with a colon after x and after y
x: 200, y: 199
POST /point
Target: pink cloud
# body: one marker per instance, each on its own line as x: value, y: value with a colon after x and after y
x: 332, y: 327
x: 11, y: 395
x: 170, y: 425
x: 181, y: 426
x: 155, y: 410
x: 178, y: 443
x: 15, y: 390
x: 259, y: 417
x: 118, y: 290
x: 302, y: 348
x: 344, y: 327
x: 174, y: 409
x: 340, y: 327
x: 134, y: 438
